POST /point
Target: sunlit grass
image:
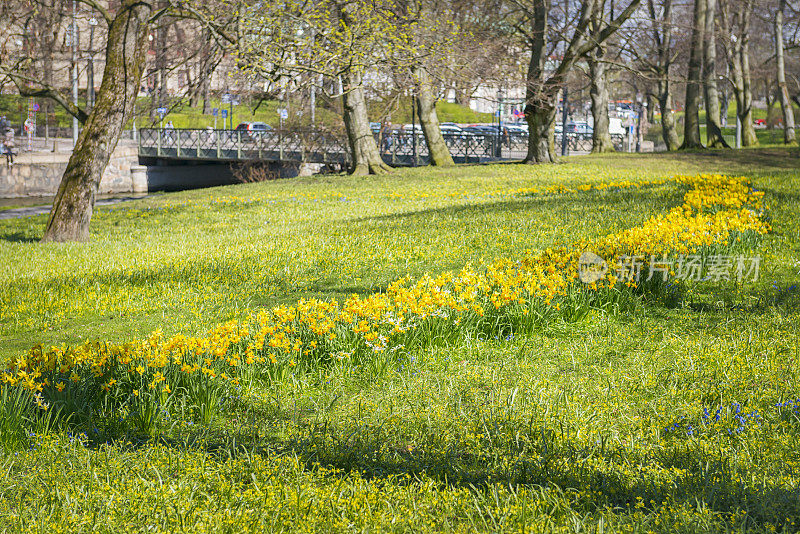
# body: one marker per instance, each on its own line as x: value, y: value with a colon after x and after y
x: 564, y: 429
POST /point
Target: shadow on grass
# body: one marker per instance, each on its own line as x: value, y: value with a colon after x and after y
x: 18, y: 237
x: 586, y: 200
x: 686, y: 473
x: 761, y: 159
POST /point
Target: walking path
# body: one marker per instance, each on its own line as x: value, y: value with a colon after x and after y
x: 30, y: 211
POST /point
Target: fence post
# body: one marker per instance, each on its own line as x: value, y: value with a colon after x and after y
x: 466, y: 149
x: 238, y: 144
x: 219, y: 143
x: 178, y: 142
x: 199, y: 140
x: 158, y: 145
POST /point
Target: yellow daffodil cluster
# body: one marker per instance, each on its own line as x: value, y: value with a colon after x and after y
x: 407, y: 312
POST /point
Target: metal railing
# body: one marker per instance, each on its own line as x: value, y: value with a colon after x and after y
x: 326, y: 147
x: 301, y: 146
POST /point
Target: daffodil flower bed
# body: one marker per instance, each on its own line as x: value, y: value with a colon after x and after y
x: 139, y: 383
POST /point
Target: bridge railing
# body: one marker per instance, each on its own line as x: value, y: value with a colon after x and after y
x: 302, y: 145
x: 327, y: 147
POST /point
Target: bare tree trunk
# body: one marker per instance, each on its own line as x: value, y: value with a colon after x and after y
x: 540, y: 112
x: 160, y: 89
x: 601, y: 138
x: 541, y: 144
x: 462, y: 94
x: 541, y: 89
x: 744, y: 100
x: 598, y: 91
x: 663, y: 40
x: 668, y: 131
x: 713, y: 131
x: 789, y: 135
x: 426, y: 105
x: 364, y: 150
x: 125, y: 57
x: 691, y: 124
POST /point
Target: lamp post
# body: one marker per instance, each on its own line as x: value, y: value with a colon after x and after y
x: 499, y: 144
x: 564, y: 117
x: 639, y: 125
x: 90, y: 96
x: 414, y: 129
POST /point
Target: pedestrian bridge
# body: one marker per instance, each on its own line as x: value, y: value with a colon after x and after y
x: 326, y: 147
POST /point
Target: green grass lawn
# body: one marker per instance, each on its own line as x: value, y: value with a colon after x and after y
x: 183, y: 115
x: 576, y: 426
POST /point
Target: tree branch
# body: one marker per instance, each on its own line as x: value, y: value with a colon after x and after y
x: 30, y: 87
x: 100, y: 9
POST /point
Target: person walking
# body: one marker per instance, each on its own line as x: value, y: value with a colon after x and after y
x: 169, y: 128
x: 8, y: 146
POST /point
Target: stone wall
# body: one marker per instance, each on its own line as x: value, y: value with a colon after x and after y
x: 36, y: 174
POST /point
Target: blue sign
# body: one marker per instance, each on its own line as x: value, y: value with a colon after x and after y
x: 215, y: 111
x: 161, y: 111
x: 224, y: 113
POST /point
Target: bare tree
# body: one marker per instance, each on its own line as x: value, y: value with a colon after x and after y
x: 713, y: 131
x: 433, y: 38
x: 544, y: 81
x: 736, y: 16
x: 126, y: 43
x: 691, y: 124
x: 601, y: 137
x: 789, y: 135
x: 661, y: 67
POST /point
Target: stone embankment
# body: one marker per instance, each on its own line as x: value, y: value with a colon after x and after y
x: 38, y: 173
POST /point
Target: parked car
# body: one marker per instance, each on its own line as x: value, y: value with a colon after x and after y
x: 480, y: 129
x: 254, y: 130
x: 581, y: 128
x: 517, y: 132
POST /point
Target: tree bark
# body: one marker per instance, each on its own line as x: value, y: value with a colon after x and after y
x: 691, y: 121
x: 541, y: 142
x: 789, y: 135
x: 363, y: 149
x: 737, y: 26
x: 663, y: 39
x: 540, y: 111
x: 746, y: 116
x: 601, y: 138
x: 668, y: 131
x: 541, y: 90
x: 426, y: 106
x: 125, y: 57
x: 713, y: 131
x: 598, y: 91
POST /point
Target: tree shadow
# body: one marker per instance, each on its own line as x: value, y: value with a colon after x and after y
x: 19, y: 237
x: 607, y: 476
x: 571, y: 206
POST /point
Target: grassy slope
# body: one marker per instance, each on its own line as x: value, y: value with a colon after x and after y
x: 184, y: 116
x: 575, y: 414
